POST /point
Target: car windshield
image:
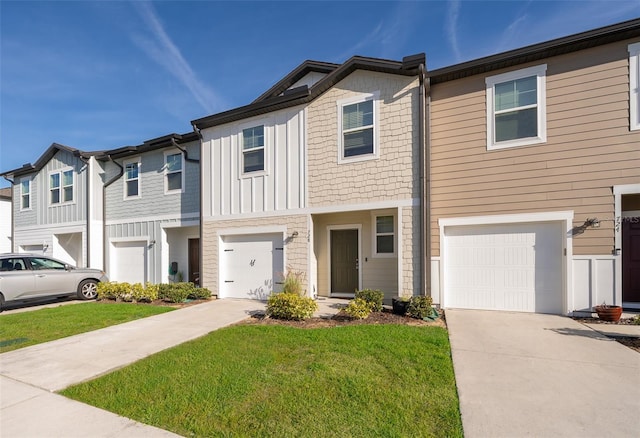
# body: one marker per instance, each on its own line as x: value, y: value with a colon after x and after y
x: 38, y: 263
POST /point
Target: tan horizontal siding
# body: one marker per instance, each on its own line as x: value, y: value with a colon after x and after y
x: 589, y: 148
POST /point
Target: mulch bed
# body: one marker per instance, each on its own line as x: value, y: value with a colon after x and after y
x: 158, y: 303
x: 342, y: 319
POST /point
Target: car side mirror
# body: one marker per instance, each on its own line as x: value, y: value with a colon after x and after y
x: 68, y: 267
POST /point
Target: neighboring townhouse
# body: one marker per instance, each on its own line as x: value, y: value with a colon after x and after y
x: 57, y: 208
x: 535, y: 176
x: 152, y: 210
x: 319, y: 175
x: 5, y: 219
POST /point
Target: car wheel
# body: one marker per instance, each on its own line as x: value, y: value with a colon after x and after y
x: 1, y: 302
x: 88, y: 290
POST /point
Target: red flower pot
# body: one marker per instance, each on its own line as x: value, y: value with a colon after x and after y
x: 609, y: 313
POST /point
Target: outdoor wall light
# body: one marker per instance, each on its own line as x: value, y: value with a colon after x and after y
x: 294, y: 234
x: 592, y: 222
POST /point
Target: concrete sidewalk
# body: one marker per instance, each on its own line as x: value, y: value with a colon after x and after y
x: 29, y: 376
x: 522, y: 374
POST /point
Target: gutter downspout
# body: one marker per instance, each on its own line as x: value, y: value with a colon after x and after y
x: 427, y: 184
x: 13, y: 222
x: 200, y: 255
x: 104, y: 210
x: 424, y: 158
x: 184, y: 151
x: 88, y: 200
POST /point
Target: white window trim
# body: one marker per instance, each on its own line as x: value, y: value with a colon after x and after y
x: 374, y: 235
x: 375, y: 96
x: 138, y: 161
x: 28, y: 180
x: 540, y: 72
x: 266, y: 130
x: 165, y: 173
x: 73, y: 185
x: 634, y: 86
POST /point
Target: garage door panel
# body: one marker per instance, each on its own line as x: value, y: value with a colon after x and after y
x: 504, y: 267
x: 128, y: 262
x: 251, y: 266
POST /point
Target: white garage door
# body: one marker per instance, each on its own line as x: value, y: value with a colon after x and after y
x: 251, y: 266
x: 504, y: 267
x: 128, y: 262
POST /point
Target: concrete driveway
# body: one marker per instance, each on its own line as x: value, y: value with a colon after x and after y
x: 521, y: 374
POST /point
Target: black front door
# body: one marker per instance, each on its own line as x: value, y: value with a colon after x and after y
x: 344, y: 261
x: 194, y: 261
x: 631, y: 260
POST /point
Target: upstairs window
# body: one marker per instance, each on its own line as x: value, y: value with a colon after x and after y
x: 357, y: 129
x: 132, y: 180
x: 634, y: 86
x: 253, y: 149
x: 384, y: 235
x: 174, y: 176
x: 516, y: 113
x: 61, y: 187
x: 25, y: 194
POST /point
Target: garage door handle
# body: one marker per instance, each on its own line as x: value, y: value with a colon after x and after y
x: 228, y: 281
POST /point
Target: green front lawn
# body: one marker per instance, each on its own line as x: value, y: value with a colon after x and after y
x: 364, y: 380
x: 20, y: 330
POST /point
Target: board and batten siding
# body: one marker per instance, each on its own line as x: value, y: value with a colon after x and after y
x: 41, y: 212
x: 589, y: 148
x: 153, y: 200
x: 392, y: 176
x: 280, y: 187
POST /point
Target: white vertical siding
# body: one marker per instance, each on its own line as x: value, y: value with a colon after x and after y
x: 280, y: 187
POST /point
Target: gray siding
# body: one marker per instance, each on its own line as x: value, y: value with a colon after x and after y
x: 153, y: 200
x: 41, y: 212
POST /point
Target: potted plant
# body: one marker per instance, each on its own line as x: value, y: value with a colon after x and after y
x: 608, y: 313
x: 400, y: 305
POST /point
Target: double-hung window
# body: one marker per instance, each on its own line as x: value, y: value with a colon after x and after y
x: 253, y: 149
x: 357, y: 118
x: 25, y: 194
x: 634, y: 86
x: 61, y: 187
x: 516, y: 112
x: 385, y: 244
x: 174, y: 175
x: 132, y: 179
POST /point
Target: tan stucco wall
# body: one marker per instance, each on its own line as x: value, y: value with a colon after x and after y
x: 589, y: 148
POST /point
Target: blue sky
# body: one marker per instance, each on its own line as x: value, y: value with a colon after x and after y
x: 105, y: 74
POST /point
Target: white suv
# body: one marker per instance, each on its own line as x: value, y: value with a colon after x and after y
x: 29, y: 276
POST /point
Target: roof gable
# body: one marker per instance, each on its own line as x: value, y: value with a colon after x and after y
x: 280, y: 97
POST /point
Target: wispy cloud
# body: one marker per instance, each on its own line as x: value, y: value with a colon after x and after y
x: 159, y: 47
x: 389, y: 36
x: 451, y: 27
x: 367, y: 40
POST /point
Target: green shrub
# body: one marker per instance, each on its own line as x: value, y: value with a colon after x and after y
x: 373, y: 297
x: 199, y: 293
x: 636, y: 320
x: 358, y: 308
x: 292, y: 282
x: 108, y: 290
x: 420, y: 307
x: 127, y: 292
x: 290, y: 306
x: 174, y: 292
